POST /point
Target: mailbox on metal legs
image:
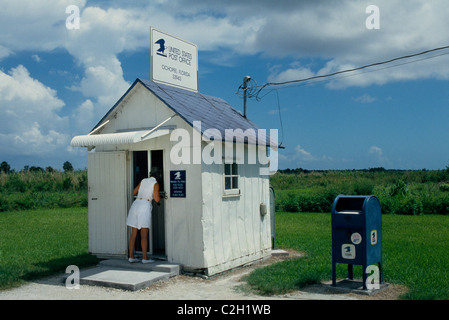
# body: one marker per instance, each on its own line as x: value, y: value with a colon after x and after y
x: 356, y: 234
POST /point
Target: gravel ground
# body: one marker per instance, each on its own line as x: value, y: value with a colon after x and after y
x: 227, y: 286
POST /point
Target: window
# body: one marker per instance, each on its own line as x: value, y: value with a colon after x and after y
x: 231, y: 179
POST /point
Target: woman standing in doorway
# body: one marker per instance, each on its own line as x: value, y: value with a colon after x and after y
x: 139, y: 217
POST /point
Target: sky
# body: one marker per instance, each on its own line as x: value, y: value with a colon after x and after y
x: 57, y: 82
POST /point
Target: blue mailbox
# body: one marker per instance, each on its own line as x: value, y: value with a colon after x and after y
x: 356, y: 234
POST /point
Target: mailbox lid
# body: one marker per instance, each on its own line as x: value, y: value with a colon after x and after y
x: 347, y: 211
x: 348, y: 204
x: 348, y: 220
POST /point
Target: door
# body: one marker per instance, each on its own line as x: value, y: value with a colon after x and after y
x: 107, y: 192
x: 140, y: 171
x: 158, y: 215
x: 142, y: 162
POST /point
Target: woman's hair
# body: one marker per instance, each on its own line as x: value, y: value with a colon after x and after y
x: 156, y: 173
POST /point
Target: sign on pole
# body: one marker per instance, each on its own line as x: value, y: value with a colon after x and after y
x: 173, y: 61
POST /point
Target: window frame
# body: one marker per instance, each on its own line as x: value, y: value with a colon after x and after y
x: 229, y: 175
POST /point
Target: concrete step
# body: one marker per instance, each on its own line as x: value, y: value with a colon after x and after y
x: 121, y: 274
x: 120, y: 278
x: 162, y: 266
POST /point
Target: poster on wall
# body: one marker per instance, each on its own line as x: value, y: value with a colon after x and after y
x: 174, y: 61
x: 178, y: 184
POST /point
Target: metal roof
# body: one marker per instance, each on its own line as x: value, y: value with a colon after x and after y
x: 214, y: 113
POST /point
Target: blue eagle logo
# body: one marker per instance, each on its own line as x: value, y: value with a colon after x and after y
x: 161, y: 50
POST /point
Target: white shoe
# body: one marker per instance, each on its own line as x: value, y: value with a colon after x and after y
x: 147, y: 261
x: 133, y: 260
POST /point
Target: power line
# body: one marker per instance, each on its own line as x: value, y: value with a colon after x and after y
x: 252, y: 91
x: 256, y: 93
x: 258, y: 97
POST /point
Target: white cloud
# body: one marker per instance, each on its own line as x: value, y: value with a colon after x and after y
x: 302, y: 158
x: 30, y: 123
x: 377, y: 157
x: 304, y: 155
x: 85, y: 117
x: 36, y: 58
x: 335, y: 33
x: 4, y: 52
x: 294, y: 73
x: 34, y: 25
x: 365, y: 98
x: 376, y: 151
x: 103, y: 82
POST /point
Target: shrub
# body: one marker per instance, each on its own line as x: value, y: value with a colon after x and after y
x: 39, y: 189
x: 5, y: 204
x: 67, y: 183
x: 399, y: 189
x: 15, y: 183
x: 436, y: 204
x: 363, y: 187
x: 399, y: 192
x: 409, y: 206
x: 290, y: 204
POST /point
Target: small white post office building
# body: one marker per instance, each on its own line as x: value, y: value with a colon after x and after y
x: 212, y: 214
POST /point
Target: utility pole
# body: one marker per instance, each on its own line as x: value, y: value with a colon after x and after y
x: 246, y: 79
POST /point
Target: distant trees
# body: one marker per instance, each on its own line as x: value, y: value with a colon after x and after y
x: 6, y: 168
x: 67, y: 166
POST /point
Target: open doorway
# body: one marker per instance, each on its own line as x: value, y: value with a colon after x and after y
x: 141, y: 169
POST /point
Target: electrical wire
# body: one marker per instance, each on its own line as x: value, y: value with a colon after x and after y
x: 305, y: 83
x: 253, y: 90
x: 280, y: 118
x: 256, y: 93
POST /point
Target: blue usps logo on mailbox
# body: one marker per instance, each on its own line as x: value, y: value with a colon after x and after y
x: 348, y: 251
x: 178, y: 184
x: 373, y: 237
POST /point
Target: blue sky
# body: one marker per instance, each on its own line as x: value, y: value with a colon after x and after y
x: 56, y: 83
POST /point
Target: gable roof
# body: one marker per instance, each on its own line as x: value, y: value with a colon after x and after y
x: 213, y: 112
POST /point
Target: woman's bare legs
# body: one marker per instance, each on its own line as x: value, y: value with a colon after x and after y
x: 132, y: 242
x: 144, y: 242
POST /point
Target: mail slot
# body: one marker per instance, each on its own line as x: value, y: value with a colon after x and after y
x: 356, y: 234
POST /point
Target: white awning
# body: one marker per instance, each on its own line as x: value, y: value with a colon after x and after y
x: 94, y: 140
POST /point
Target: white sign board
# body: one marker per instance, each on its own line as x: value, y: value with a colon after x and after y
x: 173, y: 61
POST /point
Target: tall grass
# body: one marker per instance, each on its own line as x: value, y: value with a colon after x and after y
x: 400, y: 192
x: 27, y: 190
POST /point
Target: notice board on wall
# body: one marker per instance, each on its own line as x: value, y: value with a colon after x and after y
x: 178, y: 184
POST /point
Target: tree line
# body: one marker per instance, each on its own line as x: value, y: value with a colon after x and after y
x: 5, y: 167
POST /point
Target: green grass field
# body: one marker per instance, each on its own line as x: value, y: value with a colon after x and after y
x: 415, y: 254
x: 41, y: 242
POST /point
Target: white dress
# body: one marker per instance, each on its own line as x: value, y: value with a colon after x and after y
x: 140, y: 213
